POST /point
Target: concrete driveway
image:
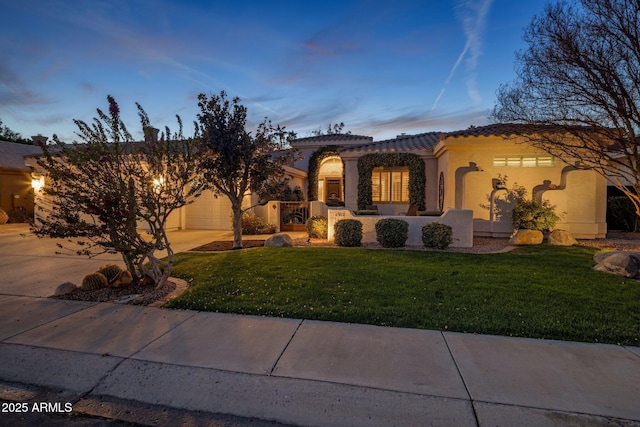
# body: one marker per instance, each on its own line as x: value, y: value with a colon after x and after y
x: 31, y: 266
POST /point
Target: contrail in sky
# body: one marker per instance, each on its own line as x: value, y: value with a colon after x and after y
x: 472, y: 24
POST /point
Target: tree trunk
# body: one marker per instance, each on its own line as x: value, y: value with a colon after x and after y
x: 131, y: 267
x: 236, y: 206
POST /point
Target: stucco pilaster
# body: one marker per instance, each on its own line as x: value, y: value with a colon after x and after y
x: 351, y: 183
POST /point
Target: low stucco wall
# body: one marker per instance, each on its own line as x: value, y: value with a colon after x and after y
x: 460, y: 220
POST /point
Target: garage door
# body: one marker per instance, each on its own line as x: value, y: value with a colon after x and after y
x: 209, y: 213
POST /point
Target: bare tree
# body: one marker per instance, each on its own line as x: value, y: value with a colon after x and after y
x: 104, y: 187
x: 578, y: 86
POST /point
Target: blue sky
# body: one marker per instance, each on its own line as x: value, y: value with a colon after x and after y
x: 381, y: 67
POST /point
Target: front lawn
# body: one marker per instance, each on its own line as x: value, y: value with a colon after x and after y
x: 541, y: 292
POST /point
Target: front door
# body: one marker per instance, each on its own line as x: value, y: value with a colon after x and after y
x: 334, y: 189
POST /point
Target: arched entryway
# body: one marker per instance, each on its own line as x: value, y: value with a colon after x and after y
x: 330, y: 183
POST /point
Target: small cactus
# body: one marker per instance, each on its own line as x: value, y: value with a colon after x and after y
x: 123, y: 279
x: 94, y: 281
x: 110, y: 271
x: 3, y: 217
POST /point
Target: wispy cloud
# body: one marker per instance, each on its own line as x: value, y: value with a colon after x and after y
x: 473, y: 14
x: 15, y: 91
x: 418, y: 121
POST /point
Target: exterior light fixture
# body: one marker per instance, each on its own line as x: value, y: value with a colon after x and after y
x: 37, y: 182
x: 158, y: 183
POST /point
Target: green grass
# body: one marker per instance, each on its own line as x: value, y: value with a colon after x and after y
x: 541, y: 292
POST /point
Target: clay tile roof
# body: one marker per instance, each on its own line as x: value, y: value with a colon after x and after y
x: 335, y: 137
x: 505, y: 129
x: 422, y: 141
x: 12, y: 155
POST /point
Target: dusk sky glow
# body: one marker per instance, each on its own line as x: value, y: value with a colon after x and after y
x: 381, y: 67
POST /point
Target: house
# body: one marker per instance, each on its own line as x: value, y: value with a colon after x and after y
x: 469, y: 170
x: 16, y: 181
x: 437, y: 171
x: 473, y: 163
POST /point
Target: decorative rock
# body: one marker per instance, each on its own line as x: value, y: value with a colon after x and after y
x: 600, y: 256
x: 147, y: 281
x: 279, y: 240
x: 128, y: 299
x: 621, y: 263
x: 64, y: 288
x: 527, y: 237
x: 561, y: 238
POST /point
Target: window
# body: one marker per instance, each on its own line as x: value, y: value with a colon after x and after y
x: 523, y: 161
x: 390, y: 185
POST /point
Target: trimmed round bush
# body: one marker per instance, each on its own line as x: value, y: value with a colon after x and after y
x: 348, y: 232
x: 392, y: 232
x: 436, y: 235
x: 317, y: 227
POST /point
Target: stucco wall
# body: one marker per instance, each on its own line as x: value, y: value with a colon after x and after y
x: 351, y: 183
x: 581, y: 205
x: 461, y: 221
x: 468, y: 166
x: 15, y: 183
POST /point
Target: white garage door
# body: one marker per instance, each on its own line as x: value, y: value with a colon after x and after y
x: 209, y: 213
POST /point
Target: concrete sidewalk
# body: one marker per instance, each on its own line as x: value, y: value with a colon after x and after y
x: 117, y: 361
x: 306, y: 372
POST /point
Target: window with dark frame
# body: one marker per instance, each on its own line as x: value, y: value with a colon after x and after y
x: 390, y: 185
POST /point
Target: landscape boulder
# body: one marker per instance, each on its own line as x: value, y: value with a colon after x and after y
x: 64, y: 288
x: 561, y: 238
x: 527, y: 237
x: 122, y: 280
x: 625, y: 264
x: 279, y: 240
x: 600, y: 256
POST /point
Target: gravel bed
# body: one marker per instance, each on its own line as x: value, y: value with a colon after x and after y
x: 139, y: 294
x: 480, y: 245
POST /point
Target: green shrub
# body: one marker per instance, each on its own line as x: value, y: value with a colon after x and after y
x: 621, y: 214
x: 3, y: 217
x: 348, y: 232
x: 534, y: 215
x: 317, y: 227
x: 18, y: 216
x: 392, y: 232
x: 436, y: 235
x: 253, y: 224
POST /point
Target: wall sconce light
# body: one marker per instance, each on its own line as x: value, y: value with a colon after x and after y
x: 158, y: 183
x: 37, y: 183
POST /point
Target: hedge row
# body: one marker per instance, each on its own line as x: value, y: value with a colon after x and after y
x: 391, y: 233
